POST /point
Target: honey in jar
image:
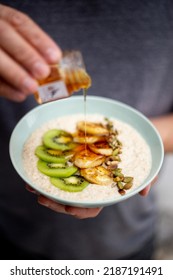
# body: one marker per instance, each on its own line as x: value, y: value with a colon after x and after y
x: 67, y: 77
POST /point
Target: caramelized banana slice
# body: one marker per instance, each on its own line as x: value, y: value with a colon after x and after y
x: 101, y: 148
x: 87, y: 159
x: 92, y: 128
x: 79, y: 148
x: 70, y: 154
x: 97, y: 175
x: 79, y: 137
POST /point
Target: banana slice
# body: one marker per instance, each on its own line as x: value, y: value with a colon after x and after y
x: 101, y: 148
x: 79, y: 148
x: 69, y: 155
x: 80, y: 137
x: 92, y: 128
x: 97, y: 175
x: 87, y: 159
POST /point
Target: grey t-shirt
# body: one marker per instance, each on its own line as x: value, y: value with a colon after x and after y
x: 127, y: 47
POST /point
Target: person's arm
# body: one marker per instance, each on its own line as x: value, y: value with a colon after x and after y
x: 25, y: 52
x: 164, y: 125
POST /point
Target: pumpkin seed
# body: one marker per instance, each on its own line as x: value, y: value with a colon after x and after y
x: 120, y: 185
x: 116, y: 152
x: 118, y: 179
x: 128, y: 179
x: 127, y: 186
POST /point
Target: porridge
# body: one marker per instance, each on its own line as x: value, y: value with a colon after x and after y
x: 135, y: 159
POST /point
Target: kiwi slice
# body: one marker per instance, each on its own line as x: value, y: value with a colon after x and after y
x: 73, y: 183
x: 49, y: 155
x: 56, y: 169
x: 58, y: 139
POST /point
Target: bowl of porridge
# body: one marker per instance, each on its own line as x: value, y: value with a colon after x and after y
x: 86, y: 154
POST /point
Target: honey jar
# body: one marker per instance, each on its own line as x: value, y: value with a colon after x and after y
x: 66, y: 77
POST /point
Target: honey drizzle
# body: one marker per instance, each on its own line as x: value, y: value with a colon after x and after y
x: 85, y: 94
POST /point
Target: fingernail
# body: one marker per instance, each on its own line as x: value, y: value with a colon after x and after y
x: 53, y: 55
x: 42, y: 201
x: 28, y: 188
x: 41, y: 70
x: 69, y: 210
x: 30, y: 84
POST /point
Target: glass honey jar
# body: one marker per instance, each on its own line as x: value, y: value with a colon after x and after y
x: 66, y: 77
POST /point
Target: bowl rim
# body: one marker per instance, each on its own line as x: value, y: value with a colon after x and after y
x: 87, y: 204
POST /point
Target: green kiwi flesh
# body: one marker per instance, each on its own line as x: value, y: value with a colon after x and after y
x: 60, y: 170
x: 58, y: 139
x: 43, y: 153
x: 73, y: 183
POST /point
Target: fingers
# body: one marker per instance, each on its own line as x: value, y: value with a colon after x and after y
x: 77, y: 212
x: 83, y: 213
x: 32, y: 33
x: 30, y: 59
x: 146, y: 191
x: 15, y: 75
x: 28, y: 188
x: 10, y: 92
x: 25, y: 52
x: 80, y: 213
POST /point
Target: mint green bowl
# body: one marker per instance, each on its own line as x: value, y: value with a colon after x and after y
x: 74, y: 105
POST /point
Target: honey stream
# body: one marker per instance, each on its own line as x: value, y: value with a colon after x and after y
x: 85, y: 114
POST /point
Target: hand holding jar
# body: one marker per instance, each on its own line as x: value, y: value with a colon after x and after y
x: 25, y: 52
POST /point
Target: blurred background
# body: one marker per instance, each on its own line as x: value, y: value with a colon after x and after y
x: 164, y: 193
